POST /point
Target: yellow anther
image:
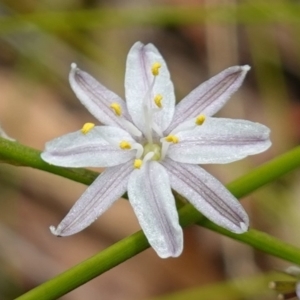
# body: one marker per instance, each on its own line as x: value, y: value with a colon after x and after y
x: 116, y: 108
x: 172, y: 139
x: 200, y: 120
x: 155, y: 68
x: 87, y: 127
x: 137, y: 163
x: 125, y: 145
x: 157, y: 100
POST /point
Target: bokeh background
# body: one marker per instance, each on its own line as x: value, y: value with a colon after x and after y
x: 38, y: 42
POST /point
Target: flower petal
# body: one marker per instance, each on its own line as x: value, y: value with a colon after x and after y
x: 138, y: 80
x: 97, y: 98
x: 97, y: 198
x: 210, y: 96
x: 208, y: 195
x: 220, y: 140
x: 154, y: 205
x: 97, y: 148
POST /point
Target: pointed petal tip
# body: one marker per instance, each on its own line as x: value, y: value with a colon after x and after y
x: 54, y: 231
x: 244, y: 227
x: 245, y: 68
x: 137, y: 44
x: 170, y: 255
x: 73, y: 66
x: 44, y: 156
x: 238, y: 229
x: 175, y: 252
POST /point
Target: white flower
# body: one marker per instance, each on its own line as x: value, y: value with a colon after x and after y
x: 149, y: 146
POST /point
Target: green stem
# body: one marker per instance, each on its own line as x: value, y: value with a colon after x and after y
x: 89, y: 269
x: 261, y: 241
x: 265, y: 173
x: 19, y: 155
x: 136, y: 243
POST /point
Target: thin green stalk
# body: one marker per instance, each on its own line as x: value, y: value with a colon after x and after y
x: 261, y: 241
x: 136, y: 243
x: 17, y: 154
x: 265, y: 173
x: 89, y: 269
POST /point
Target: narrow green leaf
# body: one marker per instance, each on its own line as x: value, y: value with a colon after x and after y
x: 16, y: 154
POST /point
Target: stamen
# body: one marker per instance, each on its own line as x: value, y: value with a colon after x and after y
x: 148, y: 113
x: 139, y: 149
x: 155, y: 68
x: 200, y: 120
x: 166, y: 142
x: 157, y: 100
x: 148, y: 110
x: 125, y: 145
x: 131, y: 128
x: 164, y: 149
x: 87, y: 127
x: 156, y: 128
x: 137, y: 163
x: 148, y: 122
x: 172, y: 139
x: 148, y: 156
x: 116, y: 108
x: 189, y: 124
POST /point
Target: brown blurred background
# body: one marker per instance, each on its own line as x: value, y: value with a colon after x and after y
x: 38, y: 42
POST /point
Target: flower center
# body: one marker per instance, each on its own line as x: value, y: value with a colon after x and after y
x: 155, y: 149
x: 151, y: 143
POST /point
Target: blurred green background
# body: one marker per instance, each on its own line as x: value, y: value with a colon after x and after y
x: 38, y: 42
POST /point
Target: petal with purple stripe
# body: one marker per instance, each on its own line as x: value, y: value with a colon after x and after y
x: 220, y: 140
x: 97, y: 198
x: 97, y: 98
x: 154, y: 205
x: 209, y: 97
x: 208, y: 195
x: 139, y: 90
x: 97, y: 148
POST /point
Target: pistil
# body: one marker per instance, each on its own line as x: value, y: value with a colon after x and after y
x: 148, y: 110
